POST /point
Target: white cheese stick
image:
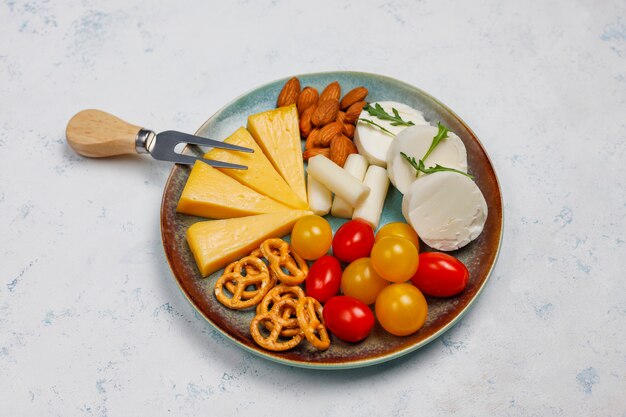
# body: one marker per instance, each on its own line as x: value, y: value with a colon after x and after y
x: 356, y: 165
x: 371, y: 208
x: 320, y: 197
x: 337, y: 180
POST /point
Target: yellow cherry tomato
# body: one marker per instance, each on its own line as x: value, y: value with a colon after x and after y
x: 395, y: 258
x: 401, y: 309
x: 311, y: 237
x: 399, y: 229
x: 360, y: 280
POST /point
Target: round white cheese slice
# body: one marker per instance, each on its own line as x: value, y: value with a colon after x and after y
x: 446, y: 209
x: 414, y: 141
x: 372, y: 142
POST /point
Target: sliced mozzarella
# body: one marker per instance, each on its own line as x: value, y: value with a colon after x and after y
x: 414, y: 142
x: 371, y: 208
x: 320, y: 197
x: 372, y: 142
x: 356, y: 165
x: 337, y: 180
x: 446, y: 209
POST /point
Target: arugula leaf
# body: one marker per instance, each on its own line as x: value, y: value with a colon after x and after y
x: 411, y: 161
x: 420, y: 167
x: 439, y: 168
x: 378, y: 111
x: 441, y: 135
x: 377, y: 125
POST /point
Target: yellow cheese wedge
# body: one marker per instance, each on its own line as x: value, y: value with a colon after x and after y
x: 260, y: 175
x: 216, y: 243
x: 210, y: 193
x: 278, y: 133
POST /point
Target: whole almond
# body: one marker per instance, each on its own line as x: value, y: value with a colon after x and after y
x: 354, y: 95
x: 308, y: 97
x: 341, y: 116
x: 332, y: 91
x: 289, y: 94
x: 327, y: 133
x: 347, y: 129
x: 311, y: 140
x: 353, y: 112
x: 325, y: 113
x: 305, y: 121
x: 340, y: 148
x: 311, y: 152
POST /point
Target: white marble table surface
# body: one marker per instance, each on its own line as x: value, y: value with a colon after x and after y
x: 91, y: 322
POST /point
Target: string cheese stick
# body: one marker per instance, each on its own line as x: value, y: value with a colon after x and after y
x: 371, y: 207
x: 320, y: 197
x: 337, y: 180
x: 356, y: 165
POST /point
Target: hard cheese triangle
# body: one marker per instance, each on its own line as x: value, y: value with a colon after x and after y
x: 260, y: 175
x: 216, y: 243
x: 278, y: 133
x: 210, y: 193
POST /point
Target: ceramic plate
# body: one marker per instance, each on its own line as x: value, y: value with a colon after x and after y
x: 479, y: 256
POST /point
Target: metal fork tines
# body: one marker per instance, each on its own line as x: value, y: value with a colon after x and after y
x: 162, y: 146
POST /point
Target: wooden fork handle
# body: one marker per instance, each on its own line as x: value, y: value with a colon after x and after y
x: 98, y: 134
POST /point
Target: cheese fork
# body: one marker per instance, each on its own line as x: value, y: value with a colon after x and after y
x: 97, y: 134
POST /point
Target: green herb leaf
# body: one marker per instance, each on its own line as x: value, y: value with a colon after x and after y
x: 377, y: 125
x: 420, y: 167
x: 411, y: 161
x: 441, y: 135
x: 439, y: 168
x: 378, y: 111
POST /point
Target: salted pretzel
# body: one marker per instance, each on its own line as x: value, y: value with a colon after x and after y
x: 278, y: 322
x: 309, y: 314
x: 274, y: 296
x: 251, y: 269
x: 279, y: 255
x: 233, y: 278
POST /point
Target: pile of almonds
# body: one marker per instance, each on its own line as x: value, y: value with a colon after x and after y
x: 326, y: 122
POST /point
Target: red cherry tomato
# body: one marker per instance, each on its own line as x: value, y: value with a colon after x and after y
x: 348, y: 318
x: 324, y: 278
x: 353, y: 240
x: 440, y: 275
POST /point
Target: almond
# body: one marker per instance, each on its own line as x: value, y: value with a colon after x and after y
x: 354, y: 95
x: 327, y: 133
x: 311, y: 152
x: 353, y: 112
x: 305, y: 121
x: 332, y: 91
x: 311, y: 140
x: 326, y: 112
x: 340, y: 148
x: 289, y: 94
x: 347, y: 129
x: 341, y: 116
x: 308, y: 97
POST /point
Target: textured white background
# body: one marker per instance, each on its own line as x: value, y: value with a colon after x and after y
x: 91, y: 322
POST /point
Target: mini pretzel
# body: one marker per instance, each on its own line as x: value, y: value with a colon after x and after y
x: 258, y: 253
x: 278, y: 253
x: 309, y: 312
x: 274, y: 316
x: 257, y: 275
x: 274, y: 296
x: 250, y: 269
